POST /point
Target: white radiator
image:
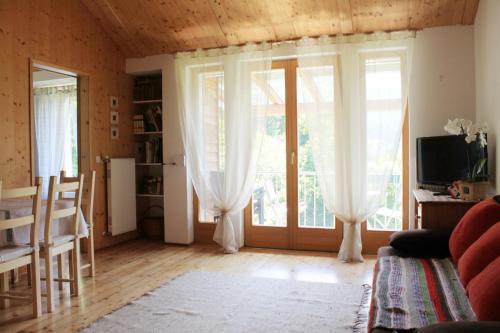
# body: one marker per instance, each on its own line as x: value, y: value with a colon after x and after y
x: 121, y: 195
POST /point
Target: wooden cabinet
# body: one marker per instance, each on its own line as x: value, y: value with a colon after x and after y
x: 438, y: 212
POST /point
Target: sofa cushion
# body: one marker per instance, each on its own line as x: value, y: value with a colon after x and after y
x: 387, y: 251
x: 424, y: 243
x: 472, y: 225
x: 479, y: 254
x: 484, y: 292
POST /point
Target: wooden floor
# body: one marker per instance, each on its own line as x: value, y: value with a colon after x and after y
x: 129, y: 270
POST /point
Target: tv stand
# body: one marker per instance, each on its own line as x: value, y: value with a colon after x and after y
x: 433, y: 187
x: 438, y: 212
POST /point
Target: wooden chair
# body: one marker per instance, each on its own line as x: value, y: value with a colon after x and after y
x: 59, y: 245
x: 88, y: 213
x: 15, y: 256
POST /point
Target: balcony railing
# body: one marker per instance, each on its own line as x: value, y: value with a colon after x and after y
x: 269, y: 203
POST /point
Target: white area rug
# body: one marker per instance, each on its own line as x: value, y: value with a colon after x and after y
x: 221, y: 302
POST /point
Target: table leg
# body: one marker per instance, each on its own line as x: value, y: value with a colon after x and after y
x: 14, y: 275
x: 4, y: 288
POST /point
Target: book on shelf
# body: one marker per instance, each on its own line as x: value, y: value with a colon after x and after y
x: 152, y: 185
x: 150, y: 120
x: 138, y: 120
x: 150, y: 151
x: 147, y: 88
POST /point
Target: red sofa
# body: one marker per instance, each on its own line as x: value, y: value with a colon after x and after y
x: 474, y: 248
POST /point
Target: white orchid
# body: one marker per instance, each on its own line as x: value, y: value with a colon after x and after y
x: 475, y: 132
x: 472, y: 133
x: 457, y: 126
x: 482, y: 139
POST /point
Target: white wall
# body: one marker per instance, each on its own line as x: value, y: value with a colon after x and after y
x: 441, y: 86
x: 487, y: 53
x: 178, y: 204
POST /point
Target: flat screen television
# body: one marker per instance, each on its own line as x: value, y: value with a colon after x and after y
x: 441, y: 160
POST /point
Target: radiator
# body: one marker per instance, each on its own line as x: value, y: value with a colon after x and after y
x: 121, y: 195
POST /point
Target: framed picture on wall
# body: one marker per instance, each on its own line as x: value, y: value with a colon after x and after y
x: 113, y: 102
x: 114, y: 119
x: 115, y: 134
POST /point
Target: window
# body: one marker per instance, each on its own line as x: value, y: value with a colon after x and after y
x: 383, y: 103
x: 212, y: 99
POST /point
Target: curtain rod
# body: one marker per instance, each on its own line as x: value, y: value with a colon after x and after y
x: 295, y: 39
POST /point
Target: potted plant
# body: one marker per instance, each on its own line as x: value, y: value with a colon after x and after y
x: 474, y: 186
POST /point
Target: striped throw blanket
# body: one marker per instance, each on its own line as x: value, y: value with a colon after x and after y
x: 411, y: 293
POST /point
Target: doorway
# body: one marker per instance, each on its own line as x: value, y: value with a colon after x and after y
x: 59, y: 120
x: 287, y: 209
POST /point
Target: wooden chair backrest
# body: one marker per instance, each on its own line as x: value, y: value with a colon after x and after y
x: 87, y: 197
x: 35, y: 192
x: 54, y: 214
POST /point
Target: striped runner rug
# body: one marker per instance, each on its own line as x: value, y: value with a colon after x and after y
x: 411, y: 293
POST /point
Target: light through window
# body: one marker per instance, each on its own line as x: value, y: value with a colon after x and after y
x: 383, y: 102
x: 315, y: 93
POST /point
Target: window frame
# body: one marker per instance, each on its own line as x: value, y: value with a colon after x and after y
x: 374, y: 239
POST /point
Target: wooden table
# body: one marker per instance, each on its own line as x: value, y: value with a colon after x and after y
x: 438, y: 212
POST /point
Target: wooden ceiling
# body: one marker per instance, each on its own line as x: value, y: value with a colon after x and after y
x: 148, y: 27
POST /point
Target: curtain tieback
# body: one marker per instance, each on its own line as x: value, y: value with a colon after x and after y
x: 221, y: 213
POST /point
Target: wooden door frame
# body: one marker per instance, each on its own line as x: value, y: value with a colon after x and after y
x: 270, y: 236
x: 292, y: 236
x: 83, y: 111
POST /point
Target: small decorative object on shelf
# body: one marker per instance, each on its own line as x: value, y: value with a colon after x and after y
x: 152, y: 185
x: 473, y: 191
x: 475, y: 185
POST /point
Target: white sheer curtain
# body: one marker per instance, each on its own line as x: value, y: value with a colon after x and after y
x: 225, y: 190
x: 53, y: 111
x: 353, y: 154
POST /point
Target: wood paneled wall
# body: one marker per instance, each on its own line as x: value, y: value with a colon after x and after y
x: 61, y: 32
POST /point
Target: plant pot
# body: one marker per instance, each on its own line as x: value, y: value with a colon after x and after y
x: 473, y: 191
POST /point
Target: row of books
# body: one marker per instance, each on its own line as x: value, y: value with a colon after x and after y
x: 150, y: 151
x: 147, y: 88
x: 152, y: 185
x: 149, y: 121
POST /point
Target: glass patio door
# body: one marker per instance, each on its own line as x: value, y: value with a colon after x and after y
x: 287, y: 209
